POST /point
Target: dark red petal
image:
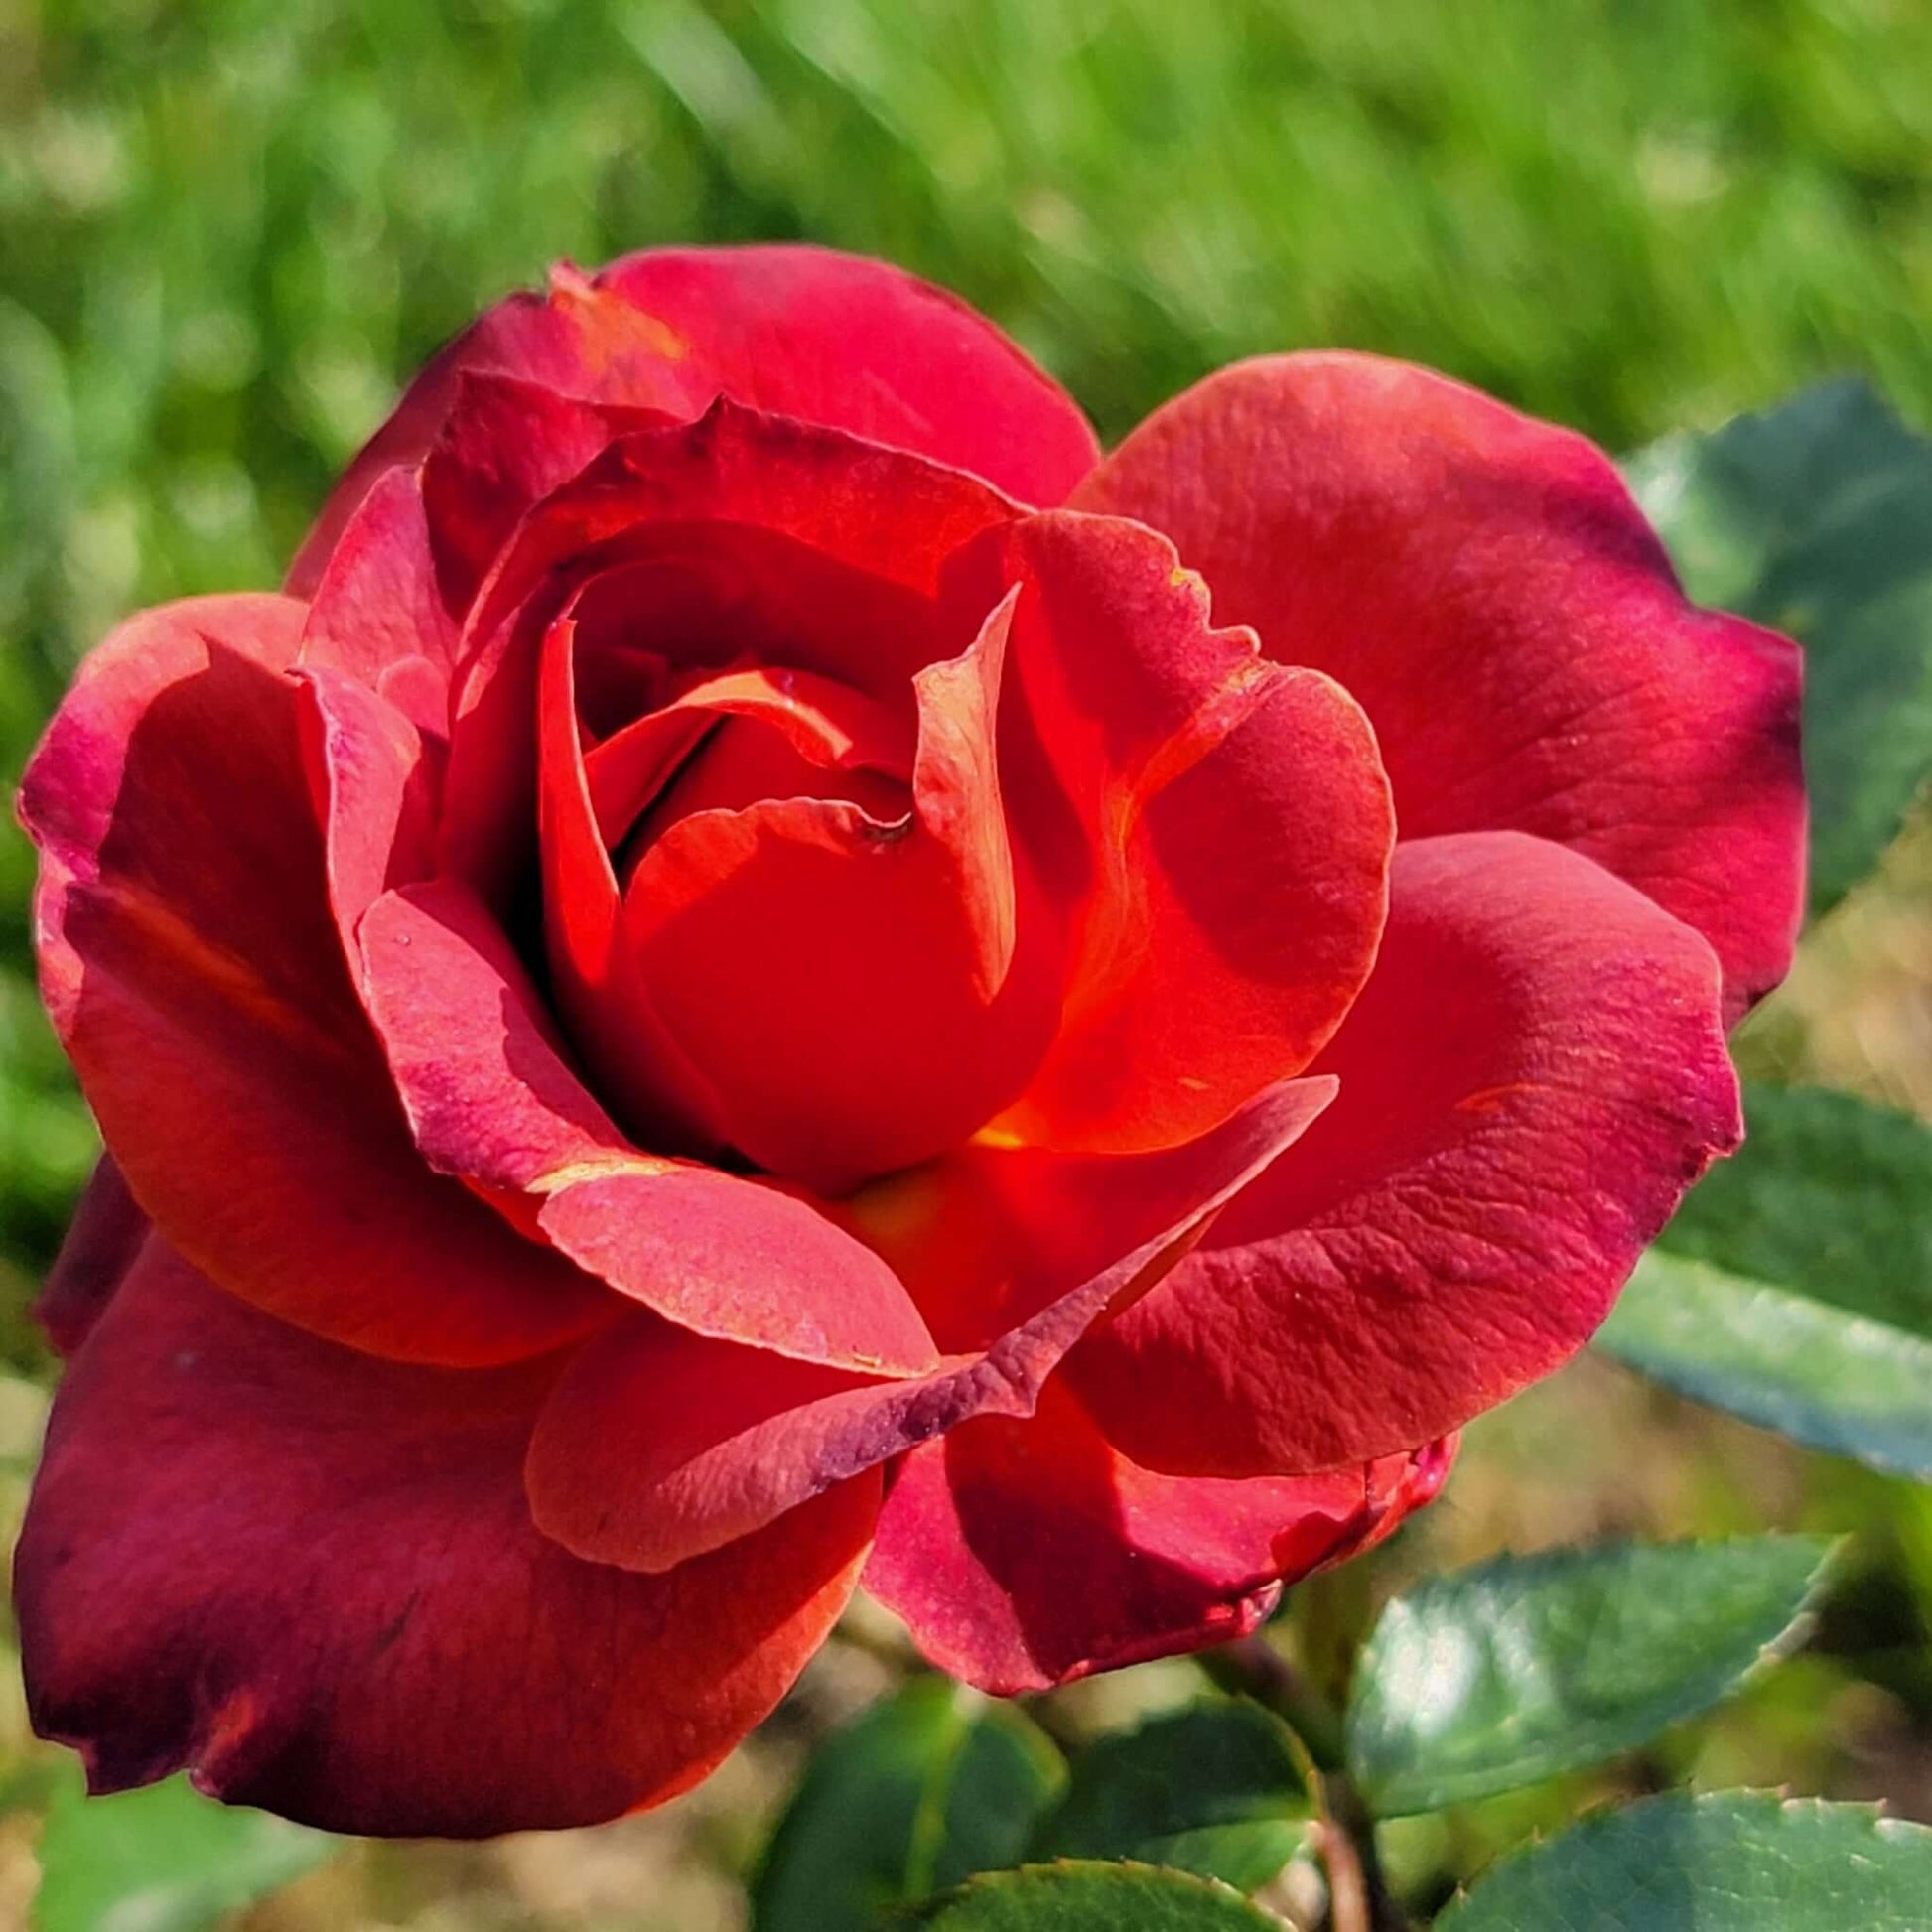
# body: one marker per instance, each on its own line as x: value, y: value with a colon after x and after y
x: 1487, y: 589
x: 659, y: 1444
x: 101, y: 1242
x: 1024, y: 1553
x: 377, y: 615
x: 490, y: 1098
x: 310, y: 1578
x: 194, y: 973
x: 1534, y: 1076
x: 888, y: 514
x: 837, y: 340
x: 853, y: 992
x: 1217, y: 826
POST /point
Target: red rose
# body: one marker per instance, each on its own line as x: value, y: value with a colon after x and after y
x: 710, y: 1001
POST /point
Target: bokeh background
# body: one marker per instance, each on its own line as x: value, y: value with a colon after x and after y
x: 228, y: 228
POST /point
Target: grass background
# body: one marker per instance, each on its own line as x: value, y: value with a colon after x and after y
x: 228, y: 228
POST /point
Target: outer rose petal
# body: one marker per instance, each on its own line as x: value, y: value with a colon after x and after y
x: 373, y: 776
x: 310, y: 1577
x: 1533, y: 1077
x: 659, y: 1444
x: 1487, y: 589
x: 377, y: 607
x: 194, y: 974
x: 1216, y: 827
x: 504, y: 446
x: 101, y: 1241
x: 1024, y: 1553
x: 490, y: 1097
x: 831, y: 339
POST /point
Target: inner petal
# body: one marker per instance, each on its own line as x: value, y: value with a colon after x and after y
x: 845, y: 947
x: 710, y: 597
x: 799, y: 730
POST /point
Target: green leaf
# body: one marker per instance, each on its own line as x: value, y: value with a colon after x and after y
x: 922, y: 1790
x: 1827, y: 1195
x: 1087, y: 1897
x: 1501, y: 1675
x: 1811, y: 1371
x: 1733, y: 1861
x: 1212, y: 1790
x: 1816, y: 518
x: 161, y: 1859
x: 1812, y: 1308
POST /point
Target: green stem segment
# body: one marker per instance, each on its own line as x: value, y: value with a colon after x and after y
x: 1252, y: 1667
x: 1360, y: 1899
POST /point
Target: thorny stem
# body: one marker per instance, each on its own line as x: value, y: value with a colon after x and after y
x: 1359, y: 1897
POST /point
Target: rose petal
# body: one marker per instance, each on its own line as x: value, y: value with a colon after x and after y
x: 194, y: 976
x: 378, y: 615
x: 490, y: 1098
x: 101, y: 1241
x: 310, y: 1578
x: 1219, y: 826
x: 898, y: 1011
x: 1025, y: 1554
x: 823, y: 552
x: 1533, y: 1077
x: 1487, y: 589
x: 864, y: 347
x: 375, y: 780
x: 594, y: 975
x: 739, y: 531
x: 884, y: 513
x: 826, y: 725
x: 659, y: 1444
x: 523, y: 336
x: 504, y: 446
x: 831, y: 339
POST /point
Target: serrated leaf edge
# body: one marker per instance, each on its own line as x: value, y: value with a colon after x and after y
x: 1883, y: 1824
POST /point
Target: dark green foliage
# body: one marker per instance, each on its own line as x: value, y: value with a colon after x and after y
x: 1733, y: 1861
x: 1815, y: 517
x: 920, y: 1792
x: 1498, y: 1676
x: 1087, y: 1897
x: 1212, y: 1789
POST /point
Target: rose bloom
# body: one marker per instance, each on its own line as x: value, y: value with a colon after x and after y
x: 767, y: 973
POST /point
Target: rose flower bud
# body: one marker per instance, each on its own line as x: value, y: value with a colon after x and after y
x: 767, y: 974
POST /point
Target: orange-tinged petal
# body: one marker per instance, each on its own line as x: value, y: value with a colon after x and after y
x: 1216, y: 827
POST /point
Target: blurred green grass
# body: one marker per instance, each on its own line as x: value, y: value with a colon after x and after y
x: 228, y: 228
